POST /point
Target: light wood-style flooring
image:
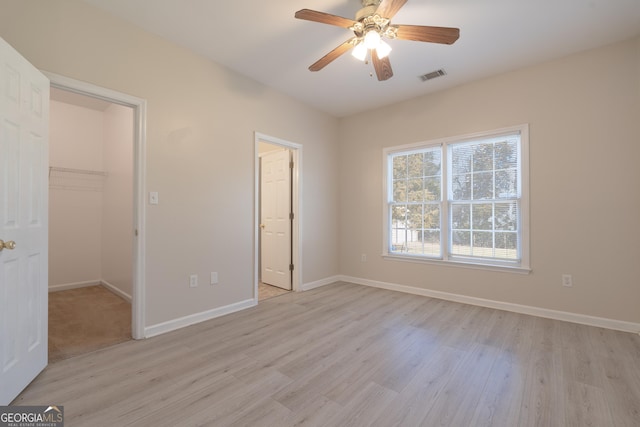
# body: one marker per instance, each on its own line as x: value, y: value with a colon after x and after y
x: 350, y: 355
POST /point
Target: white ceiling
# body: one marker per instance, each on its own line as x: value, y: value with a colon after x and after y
x: 263, y: 40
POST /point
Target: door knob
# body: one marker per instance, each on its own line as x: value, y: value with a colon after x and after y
x: 9, y: 244
x: 262, y: 226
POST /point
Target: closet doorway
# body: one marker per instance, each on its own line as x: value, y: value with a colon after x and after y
x: 91, y: 223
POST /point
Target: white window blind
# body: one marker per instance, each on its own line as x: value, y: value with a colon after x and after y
x: 484, y: 198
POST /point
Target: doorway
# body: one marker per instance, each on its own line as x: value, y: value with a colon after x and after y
x: 134, y: 237
x: 90, y: 216
x: 277, y: 188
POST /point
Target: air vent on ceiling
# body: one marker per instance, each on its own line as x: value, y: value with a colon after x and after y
x: 432, y: 75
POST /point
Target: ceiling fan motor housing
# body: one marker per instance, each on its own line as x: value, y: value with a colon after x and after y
x: 369, y: 7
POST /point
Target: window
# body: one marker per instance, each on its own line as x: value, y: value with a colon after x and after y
x: 460, y: 200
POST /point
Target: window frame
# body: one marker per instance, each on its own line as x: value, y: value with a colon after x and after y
x: 520, y: 266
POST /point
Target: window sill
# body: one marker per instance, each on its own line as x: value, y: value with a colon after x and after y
x: 449, y: 263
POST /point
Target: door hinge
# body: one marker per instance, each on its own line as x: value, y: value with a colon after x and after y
x: 291, y: 216
x: 136, y: 232
x: 290, y: 267
x: 290, y: 165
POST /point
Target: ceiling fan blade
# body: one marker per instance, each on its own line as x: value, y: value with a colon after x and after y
x: 420, y: 33
x: 331, y: 56
x: 388, y: 8
x: 382, y: 66
x: 324, y: 18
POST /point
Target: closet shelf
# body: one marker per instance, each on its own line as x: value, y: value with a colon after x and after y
x: 54, y: 170
x: 76, y: 179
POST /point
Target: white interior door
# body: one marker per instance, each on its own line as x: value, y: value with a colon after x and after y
x: 24, y: 116
x: 275, y: 222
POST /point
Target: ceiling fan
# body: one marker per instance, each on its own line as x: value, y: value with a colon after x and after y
x: 371, y: 26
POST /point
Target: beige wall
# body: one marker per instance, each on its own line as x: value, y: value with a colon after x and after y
x: 584, y: 116
x: 200, y: 150
x: 117, y: 199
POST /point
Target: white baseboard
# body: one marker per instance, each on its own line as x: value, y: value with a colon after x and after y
x: 583, y: 319
x: 192, y: 319
x: 86, y: 284
x: 322, y: 282
x: 76, y: 285
x: 116, y: 291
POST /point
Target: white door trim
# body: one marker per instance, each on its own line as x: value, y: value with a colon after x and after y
x: 296, y: 203
x: 140, y: 123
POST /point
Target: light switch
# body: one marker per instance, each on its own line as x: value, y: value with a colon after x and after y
x: 153, y: 198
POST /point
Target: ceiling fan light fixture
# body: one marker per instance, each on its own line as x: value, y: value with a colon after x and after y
x: 372, y: 39
x: 359, y: 51
x: 383, y: 49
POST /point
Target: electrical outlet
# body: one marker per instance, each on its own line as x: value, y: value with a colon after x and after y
x: 193, y: 281
x: 567, y: 280
x: 363, y: 257
x: 214, y: 278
